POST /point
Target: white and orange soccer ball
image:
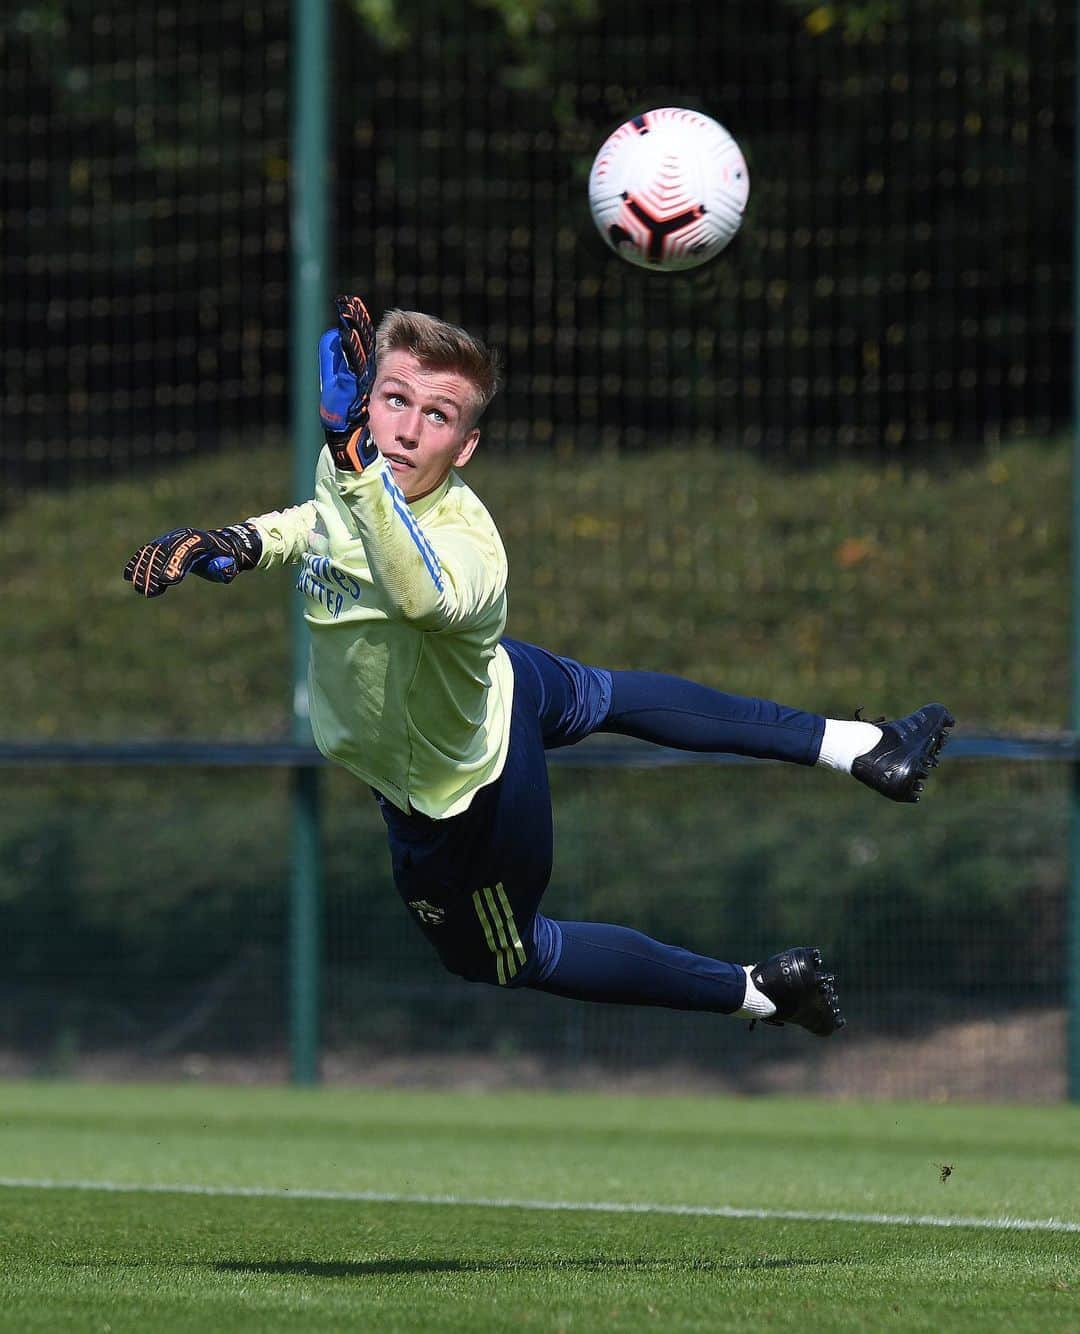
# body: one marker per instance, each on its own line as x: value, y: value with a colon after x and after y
x: 668, y: 189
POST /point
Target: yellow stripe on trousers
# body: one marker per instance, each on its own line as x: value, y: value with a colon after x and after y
x: 511, y: 925
x: 500, y: 931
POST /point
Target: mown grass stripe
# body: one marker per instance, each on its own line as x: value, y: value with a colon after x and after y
x: 554, y: 1206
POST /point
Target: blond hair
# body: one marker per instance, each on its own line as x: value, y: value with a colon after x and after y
x: 443, y: 347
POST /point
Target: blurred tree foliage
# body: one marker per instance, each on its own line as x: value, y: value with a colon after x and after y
x: 855, y: 19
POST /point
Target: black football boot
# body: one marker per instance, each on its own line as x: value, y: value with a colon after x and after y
x: 793, y: 980
x: 900, y: 763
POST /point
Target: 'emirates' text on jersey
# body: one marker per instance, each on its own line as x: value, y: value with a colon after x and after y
x: 409, y: 688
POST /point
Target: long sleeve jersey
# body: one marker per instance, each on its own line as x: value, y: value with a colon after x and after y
x: 409, y: 688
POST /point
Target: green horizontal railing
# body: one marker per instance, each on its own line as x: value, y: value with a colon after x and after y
x: 594, y: 753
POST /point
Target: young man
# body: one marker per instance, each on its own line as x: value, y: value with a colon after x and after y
x: 415, y: 690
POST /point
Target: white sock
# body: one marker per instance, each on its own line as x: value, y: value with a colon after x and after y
x: 756, y: 1005
x: 844, y: 742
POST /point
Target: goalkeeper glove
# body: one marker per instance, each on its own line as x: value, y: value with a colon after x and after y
x: 346, y: 377
x: 218, y: 555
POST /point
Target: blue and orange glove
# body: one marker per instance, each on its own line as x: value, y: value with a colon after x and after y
x: 346, y: 377
x: 218, y: 555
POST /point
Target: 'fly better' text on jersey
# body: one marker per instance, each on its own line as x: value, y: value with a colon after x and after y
x: 322, y: 581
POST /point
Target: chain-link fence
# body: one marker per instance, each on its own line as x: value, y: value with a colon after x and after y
x: 145, y: 929
x: 902, y: 280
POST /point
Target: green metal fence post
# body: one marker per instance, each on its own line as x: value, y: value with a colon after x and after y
x: 1072, y: 949
x: 1072, y: 946
x: 310, y: 155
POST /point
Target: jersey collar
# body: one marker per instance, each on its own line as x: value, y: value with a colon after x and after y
x: 427, y: 502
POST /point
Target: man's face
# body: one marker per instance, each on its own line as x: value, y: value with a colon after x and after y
x: 421, y: 420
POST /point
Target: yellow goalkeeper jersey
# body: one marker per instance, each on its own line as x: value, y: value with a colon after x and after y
x: 408, y: 686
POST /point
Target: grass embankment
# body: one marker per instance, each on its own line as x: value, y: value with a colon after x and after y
x: 843, y: 586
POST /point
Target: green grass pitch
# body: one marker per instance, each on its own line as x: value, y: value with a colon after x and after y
x: 450, y: 1235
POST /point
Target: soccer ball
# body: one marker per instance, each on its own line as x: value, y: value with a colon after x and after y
x: 667, y: 190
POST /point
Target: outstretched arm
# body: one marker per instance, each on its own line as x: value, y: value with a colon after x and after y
x: 284, y: 534
x: 217, y: 554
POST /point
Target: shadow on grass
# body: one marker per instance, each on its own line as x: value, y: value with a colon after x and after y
x: 372, y: 1268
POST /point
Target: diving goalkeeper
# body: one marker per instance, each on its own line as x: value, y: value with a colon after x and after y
x: 415, y: 689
